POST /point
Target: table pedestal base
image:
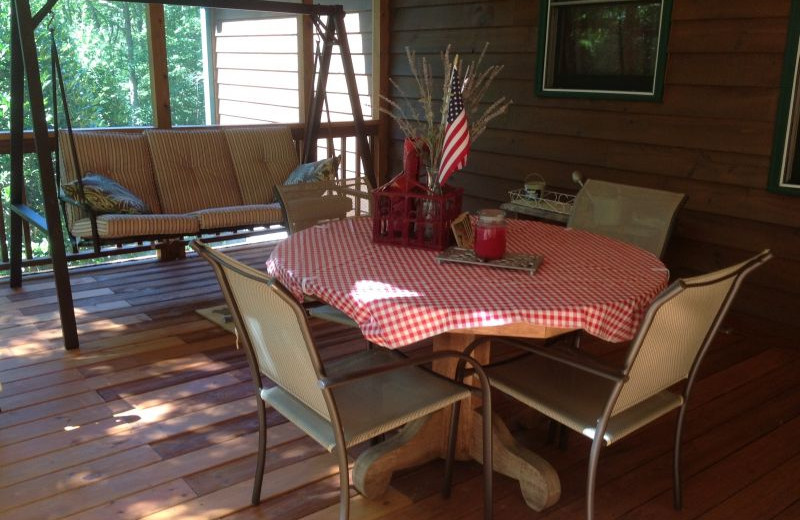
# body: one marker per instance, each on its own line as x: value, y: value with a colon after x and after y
x: 420, y: 442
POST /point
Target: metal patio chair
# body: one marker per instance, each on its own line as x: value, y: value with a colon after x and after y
x: 607, y: 403
x: 643, y: 217
x: 340, y: 403
x: 311, y: 203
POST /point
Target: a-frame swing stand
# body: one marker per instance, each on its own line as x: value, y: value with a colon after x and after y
x: 25, y: 65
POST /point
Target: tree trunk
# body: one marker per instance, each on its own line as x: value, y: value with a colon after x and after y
x: 134, y: 97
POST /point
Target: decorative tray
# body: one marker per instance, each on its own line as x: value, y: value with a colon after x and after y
x: 518, y: 261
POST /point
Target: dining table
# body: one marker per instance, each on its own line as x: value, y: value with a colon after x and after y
x: 399, y: 296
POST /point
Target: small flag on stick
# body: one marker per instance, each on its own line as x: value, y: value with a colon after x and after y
x: 455, y: 147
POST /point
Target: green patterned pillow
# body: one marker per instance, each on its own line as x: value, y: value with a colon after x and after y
x: 323, y: 170
x: 104, y: 195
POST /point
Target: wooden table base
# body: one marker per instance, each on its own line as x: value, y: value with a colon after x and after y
x: 418, y: 442
x: 426, y: 439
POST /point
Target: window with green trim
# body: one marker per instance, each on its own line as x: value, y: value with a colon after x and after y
x: 785, y: 170
x: 603, y: 48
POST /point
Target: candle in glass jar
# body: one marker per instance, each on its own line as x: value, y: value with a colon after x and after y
x: 490, y: 234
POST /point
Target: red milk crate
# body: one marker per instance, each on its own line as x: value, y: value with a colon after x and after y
x: 407, y: 213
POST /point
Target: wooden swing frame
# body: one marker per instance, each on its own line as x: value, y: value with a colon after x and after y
x: 25, y: 65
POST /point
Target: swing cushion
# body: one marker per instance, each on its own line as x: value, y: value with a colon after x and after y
x: 105, y: 195
x: 262, y: 158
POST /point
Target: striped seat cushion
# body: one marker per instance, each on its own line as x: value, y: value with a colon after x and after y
x: 193, y: 170
x: 124, y: 226
x: 262, y: 158
x: 122, y: 157
x: 239, y: 216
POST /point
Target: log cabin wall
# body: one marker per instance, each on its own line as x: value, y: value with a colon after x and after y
x: 710, y: 137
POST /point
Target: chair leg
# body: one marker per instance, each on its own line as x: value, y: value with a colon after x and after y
x: 556, y: 429
x: 488, y: 463
x: 344, y: 483
x: 677, y: 494
x: 262, y: 452
x: 594, y: 457
x: 451, y: 449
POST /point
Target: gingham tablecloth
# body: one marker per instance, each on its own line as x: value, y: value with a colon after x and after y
x: 401, y: 295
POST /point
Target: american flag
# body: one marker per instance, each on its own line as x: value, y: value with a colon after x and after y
x: 455, y: 147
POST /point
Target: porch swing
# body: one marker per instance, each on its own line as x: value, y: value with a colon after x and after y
x: 25, y: 65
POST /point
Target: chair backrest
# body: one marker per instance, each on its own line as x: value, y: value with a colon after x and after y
x: 640, y: 216
x: 271, y: 326
x: 309, y: 203
x: 677, y: 329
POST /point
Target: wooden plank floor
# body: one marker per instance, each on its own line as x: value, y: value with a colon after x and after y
x: 154, y: 418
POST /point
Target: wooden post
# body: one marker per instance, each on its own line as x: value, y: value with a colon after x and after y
x: 381, y: 25
x: 17, y: 178
x: 355, y: 102
x: 305, y: 28
x: 315, y: 112
x: 159, y: 80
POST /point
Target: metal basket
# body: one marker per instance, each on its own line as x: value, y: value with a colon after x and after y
x: 547, y: 200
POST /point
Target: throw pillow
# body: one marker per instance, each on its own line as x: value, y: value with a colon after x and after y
x: 323, y: 170
x: 105, y: 195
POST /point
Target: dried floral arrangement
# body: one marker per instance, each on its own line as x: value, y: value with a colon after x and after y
x: 421, y: 121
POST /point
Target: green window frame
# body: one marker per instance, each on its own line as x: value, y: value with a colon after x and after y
x: 784, y: 175
x: 562, y: 73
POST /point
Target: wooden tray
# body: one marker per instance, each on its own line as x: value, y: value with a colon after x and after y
x: 517, y: 261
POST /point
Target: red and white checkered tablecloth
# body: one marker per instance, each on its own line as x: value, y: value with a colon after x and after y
x: 401, y: 295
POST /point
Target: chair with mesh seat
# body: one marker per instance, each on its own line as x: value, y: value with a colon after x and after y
x: 643, y: 217
x: 310, y: 203
x: 341, y: 403
x: 605, y: 403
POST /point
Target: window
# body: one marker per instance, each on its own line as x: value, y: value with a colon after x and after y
x: 785, y: 170
x: 603, y: 48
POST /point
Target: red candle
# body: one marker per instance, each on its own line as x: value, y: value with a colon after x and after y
x: 490, y: 235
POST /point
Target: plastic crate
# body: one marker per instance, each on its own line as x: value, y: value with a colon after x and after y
x: 406, y: 213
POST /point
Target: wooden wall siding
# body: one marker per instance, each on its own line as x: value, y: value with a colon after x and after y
x: 257, y: 66
x: 358, y: 23
x: 710, y: 137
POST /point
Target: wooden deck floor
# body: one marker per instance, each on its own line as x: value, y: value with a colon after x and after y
x: 154, y: 418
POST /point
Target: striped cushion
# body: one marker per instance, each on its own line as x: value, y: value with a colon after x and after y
x: 239, y: 216
x: 122, y: 157
x: 123, y: 226
x: 262, y: 157
x: 193, y: 170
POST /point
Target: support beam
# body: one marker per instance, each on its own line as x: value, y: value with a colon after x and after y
x: 17, y: 178
x: 27, y: 45
x: 380, y: 75
x: 305, y: 28
x: 362, y: 143
x: 159, y: 76
x: 251, y: 5
x: 315, y: 112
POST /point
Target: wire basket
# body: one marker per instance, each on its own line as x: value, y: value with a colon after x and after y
x: 547, y: 200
